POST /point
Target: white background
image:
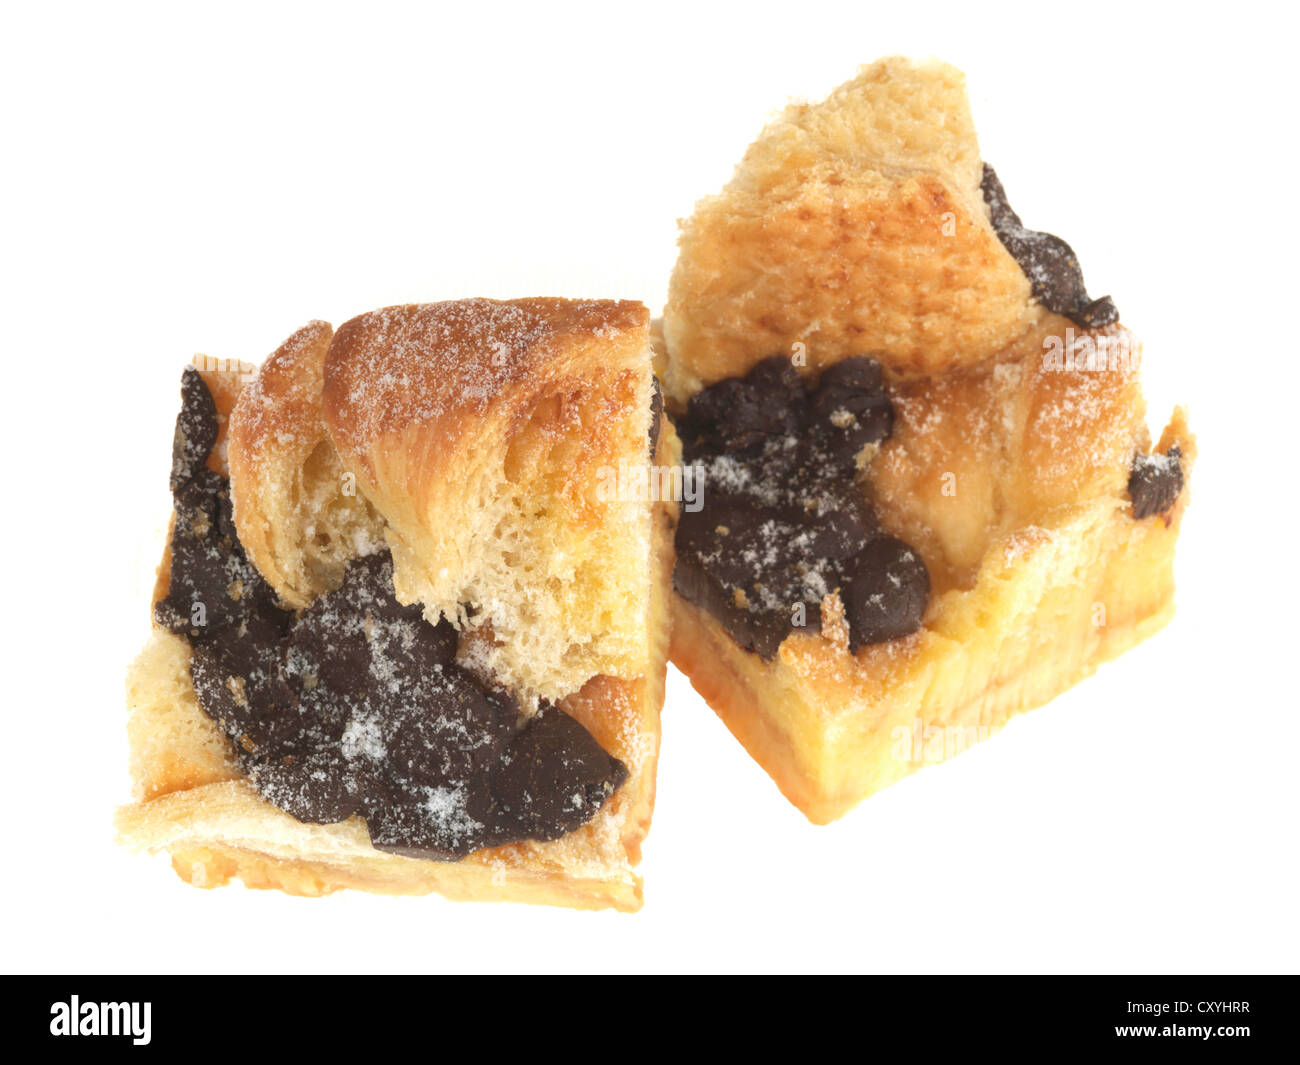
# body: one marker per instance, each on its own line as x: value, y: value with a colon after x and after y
x: 209, y: 179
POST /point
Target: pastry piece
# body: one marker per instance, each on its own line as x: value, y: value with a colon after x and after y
x: 930, y: 497
x: 403, y: 642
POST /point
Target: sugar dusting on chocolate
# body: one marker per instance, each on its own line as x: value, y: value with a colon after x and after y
x: 784, y: 521
x: 356, y: 704
x: 1155, y: 481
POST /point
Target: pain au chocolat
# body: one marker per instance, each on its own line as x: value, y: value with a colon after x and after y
x: 931, y: 500
x: 402, y: 642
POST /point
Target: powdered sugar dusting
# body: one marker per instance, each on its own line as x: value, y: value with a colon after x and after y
x: 419, y: 363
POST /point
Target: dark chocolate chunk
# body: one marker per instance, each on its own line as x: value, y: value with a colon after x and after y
x: 850, y: 409
x: 886, y: 592
x: 440, y: 823
x: 359, y: 633
x: 196, y: 429
x: 213, y: 588
x: 656, y: 412
x: 450, y: 730
x: 1154, y: 482
x: 784, y: 521
x: 555, y: 776
x: 829, y: 515
x: 767, y: 477
x: 1099, y: 312
x: 319, y: 787
x: 758, y: 569
x: 742, y: 413
x: 1048, y: 262
x: 857, y: 373
x: 239, y: 686
x: 760, y: 631
x: 836, y: 531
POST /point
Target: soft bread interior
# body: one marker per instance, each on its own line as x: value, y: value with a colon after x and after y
x: 980, y: 452
x: 299, y: 515
x: 499, y: 495
x: 174, y: 744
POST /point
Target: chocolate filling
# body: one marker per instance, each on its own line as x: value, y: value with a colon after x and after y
x: 1047, y: 261
x: 356, y: 705
x: 784, y: 521
x: 1154, y: 482
x: 656, y: 410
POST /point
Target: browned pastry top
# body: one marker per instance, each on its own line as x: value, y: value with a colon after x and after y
x: 434, y: 364
x: 852, y: 226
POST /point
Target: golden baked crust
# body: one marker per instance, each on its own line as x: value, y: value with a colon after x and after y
x: 193, y: 803
x: 853, y: 225
x: 857, y: 226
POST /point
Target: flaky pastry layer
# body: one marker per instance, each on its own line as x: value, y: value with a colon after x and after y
x: 483, y: 432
